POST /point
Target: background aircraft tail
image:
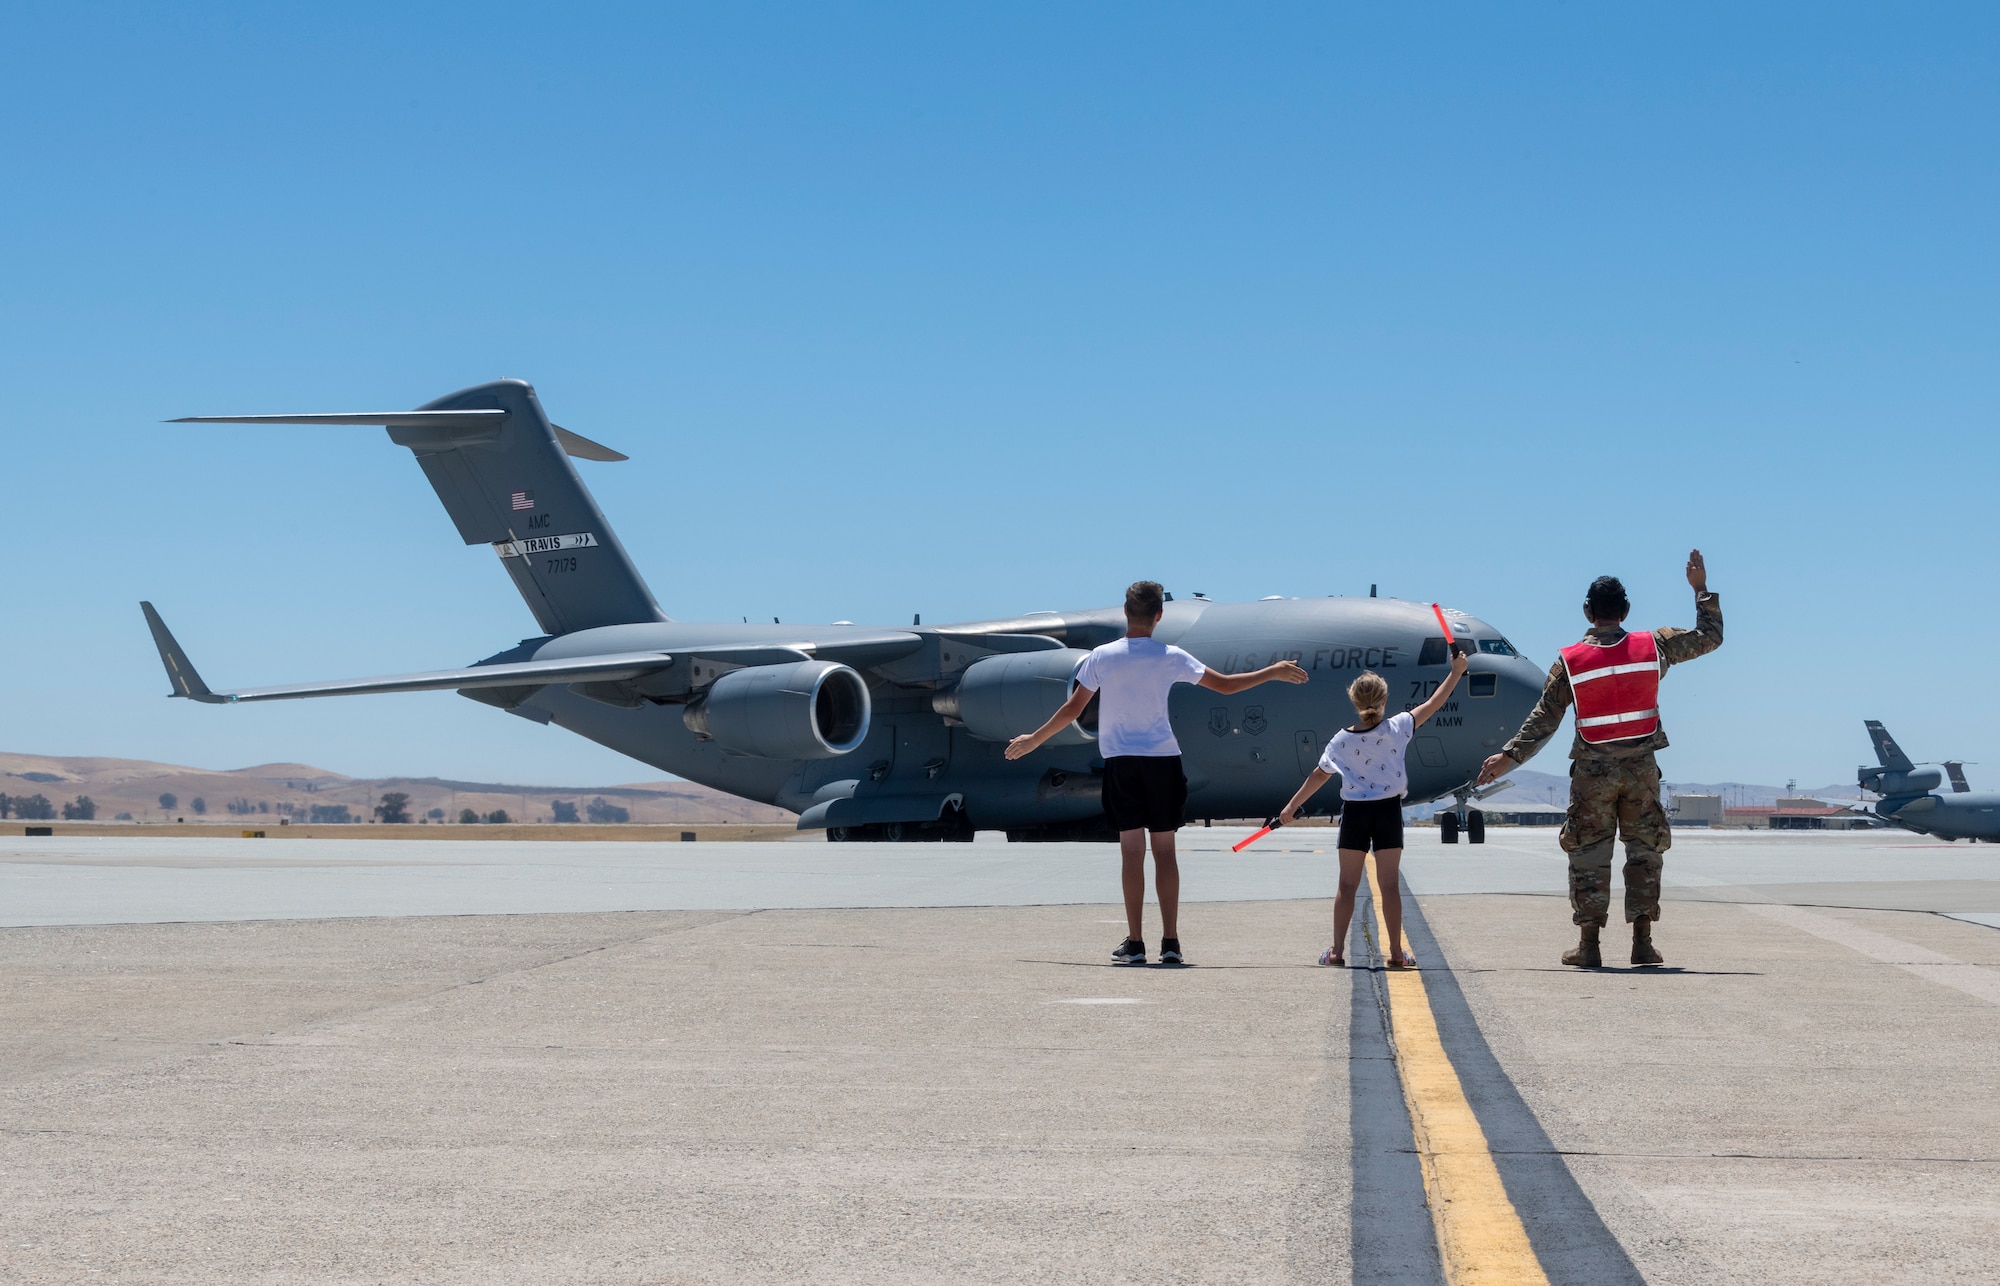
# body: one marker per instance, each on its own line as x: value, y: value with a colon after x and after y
x: 504, y: 475
x: 1887, y: 752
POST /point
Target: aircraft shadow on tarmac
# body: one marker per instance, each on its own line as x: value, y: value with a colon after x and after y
x: 1633, y: 970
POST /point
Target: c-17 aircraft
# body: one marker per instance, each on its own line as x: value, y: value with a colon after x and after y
x: 1906, y: 799
x: 877, y: 732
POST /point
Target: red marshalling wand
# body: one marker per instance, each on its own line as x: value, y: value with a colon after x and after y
x: 1449, y: 641
x: 1269, y: 826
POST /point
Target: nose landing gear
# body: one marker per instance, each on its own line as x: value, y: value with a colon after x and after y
x: 1462, y: 817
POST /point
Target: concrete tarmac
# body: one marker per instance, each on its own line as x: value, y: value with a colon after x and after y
x: 409, y: 1086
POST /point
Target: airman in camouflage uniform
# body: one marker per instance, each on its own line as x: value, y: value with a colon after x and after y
x: 1614, y: 786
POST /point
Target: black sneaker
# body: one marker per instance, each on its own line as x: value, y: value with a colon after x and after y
x: 1170, y: 950
x: 1130, y: 951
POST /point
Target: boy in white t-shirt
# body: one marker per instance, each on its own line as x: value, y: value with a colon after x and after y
x: 1145, y: 791
x: 1369, y: 758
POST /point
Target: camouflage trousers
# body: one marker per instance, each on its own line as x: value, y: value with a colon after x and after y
x: 1609, y: 797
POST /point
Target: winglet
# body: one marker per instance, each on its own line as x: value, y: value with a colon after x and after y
x: 180, y: 670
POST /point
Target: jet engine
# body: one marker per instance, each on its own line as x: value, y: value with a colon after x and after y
x: 999, y: 698
x: 804, y: 710
x: 1910, y: 781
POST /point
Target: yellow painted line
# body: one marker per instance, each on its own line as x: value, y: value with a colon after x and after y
x: 1479, y: 1232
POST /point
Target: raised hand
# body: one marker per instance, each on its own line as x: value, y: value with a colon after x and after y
x: 1286, y: 672
x: 1697, y: 571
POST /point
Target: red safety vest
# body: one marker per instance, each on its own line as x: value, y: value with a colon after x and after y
x: 1617, y: 688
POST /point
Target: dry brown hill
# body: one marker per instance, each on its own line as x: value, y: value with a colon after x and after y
x: 269, y: 791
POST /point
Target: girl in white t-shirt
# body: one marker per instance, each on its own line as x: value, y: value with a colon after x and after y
x: 1369, y: 759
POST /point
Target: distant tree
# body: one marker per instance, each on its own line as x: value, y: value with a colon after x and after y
x: 263, y: 805
x: 466, y: 817
x: 436, y: 814
x: 82, y: 809
x: 198, y: 805
x: 394, y: 810
x: 498, y: 817
x: 240, y: 806
x: 564, y: 810
x: 330, y: 815
x: 34, y: 808
x: 6, y: 805
x: 122, y: 817
x: 170, y: 801
x: 601, y: 813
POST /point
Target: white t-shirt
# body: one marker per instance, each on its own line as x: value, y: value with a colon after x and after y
x: 1370, y: 763
x: 1132, y: 678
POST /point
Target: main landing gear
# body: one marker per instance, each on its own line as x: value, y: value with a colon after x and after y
x: 952, y: 828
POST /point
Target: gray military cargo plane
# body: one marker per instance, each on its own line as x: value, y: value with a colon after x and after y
x: 885, y: 732
x: 1906, y: 799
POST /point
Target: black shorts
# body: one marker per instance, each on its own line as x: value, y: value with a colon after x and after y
x: 1144, y: 792
x: 1371, y: 823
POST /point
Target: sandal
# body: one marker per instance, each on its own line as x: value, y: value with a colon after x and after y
x: 1333, y: 958
x: 1402, y: 961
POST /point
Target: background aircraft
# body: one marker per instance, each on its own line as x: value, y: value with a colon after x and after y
x: 885, y: 732
x: 1906, y: 799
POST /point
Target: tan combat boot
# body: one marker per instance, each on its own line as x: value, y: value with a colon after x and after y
x: 1643, y: 952
x: 1586, y: 954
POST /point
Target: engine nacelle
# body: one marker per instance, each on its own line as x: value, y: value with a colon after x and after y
x: 804, y: 710
x: 1001, y: 697
x: 1887, y: 781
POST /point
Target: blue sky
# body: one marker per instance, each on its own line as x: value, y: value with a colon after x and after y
x: 966, y: 312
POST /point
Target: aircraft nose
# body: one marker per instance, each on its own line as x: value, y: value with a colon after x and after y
x: 1517, y: 686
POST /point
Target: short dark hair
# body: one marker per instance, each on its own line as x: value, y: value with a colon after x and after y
x: 1606, y: 600
x: 1145, y: 600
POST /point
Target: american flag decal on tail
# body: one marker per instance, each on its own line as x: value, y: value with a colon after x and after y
x: 524, y: 500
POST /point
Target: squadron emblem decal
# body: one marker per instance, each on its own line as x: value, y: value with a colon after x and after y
x: 1218, y: 721
x: 1254, y: 721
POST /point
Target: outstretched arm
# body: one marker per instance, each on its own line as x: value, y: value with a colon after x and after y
x: 1283, y: 672
x: 1423, y: 712
x: 1319, y: 777
x: 1026, y: 743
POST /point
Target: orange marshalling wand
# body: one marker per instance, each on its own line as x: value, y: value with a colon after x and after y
x: 1449, y: 641
x: 1269, y: 826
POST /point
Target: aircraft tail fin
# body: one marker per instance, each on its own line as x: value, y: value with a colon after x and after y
x: 1955, y: 769
x: 1887, y: 752
x: 503, y: 472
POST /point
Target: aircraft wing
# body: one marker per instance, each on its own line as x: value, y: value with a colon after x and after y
x: 587, y: 669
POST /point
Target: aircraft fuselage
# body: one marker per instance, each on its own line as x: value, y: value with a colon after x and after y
x: 1244, y: 754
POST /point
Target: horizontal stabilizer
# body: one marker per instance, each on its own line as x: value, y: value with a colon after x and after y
x: 584, y: 449
x: 382, y: 419
x: 574, y: 444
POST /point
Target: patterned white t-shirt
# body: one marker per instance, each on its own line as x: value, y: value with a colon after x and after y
x: 1370, y: 763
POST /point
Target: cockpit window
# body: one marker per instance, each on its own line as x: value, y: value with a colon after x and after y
x: 1498, y: 647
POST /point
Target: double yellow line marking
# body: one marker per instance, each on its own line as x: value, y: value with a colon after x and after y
x: 1479, y: 1233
